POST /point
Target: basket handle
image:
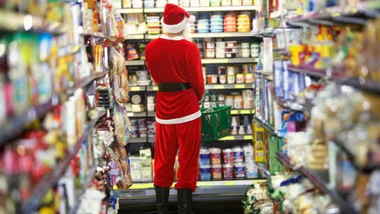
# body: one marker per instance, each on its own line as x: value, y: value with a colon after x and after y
x: 212, y: 99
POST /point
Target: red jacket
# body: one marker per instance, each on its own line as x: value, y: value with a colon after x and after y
x: 175, y: 60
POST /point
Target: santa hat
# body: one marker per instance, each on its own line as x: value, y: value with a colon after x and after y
x: 175, y: 19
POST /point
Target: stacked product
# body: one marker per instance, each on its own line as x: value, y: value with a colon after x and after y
x: 215, y: 3
x: 136, y: 104
x: 186, y: 3
x: 255, y: 49
x: 137, y: 3
x: 141, y: 166
x: 149, y: 3
x: 230, y: 75
x: 150, y: 103
x: 138, y: 128
x: 230, y: 22
x: 153, y: 24
x: 236, y: 100
x: 244, y: 22
x: 216, y: 23
x: 203, y: 24
x: 227, y: 164
x: 151, y: 128
x: 241, y: 125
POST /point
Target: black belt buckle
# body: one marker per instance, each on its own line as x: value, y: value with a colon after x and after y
x: 173, y: 87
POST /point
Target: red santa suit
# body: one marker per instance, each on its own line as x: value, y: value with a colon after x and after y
x: 176, y: 60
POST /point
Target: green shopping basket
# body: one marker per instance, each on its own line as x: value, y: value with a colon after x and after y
x: 216, y: 122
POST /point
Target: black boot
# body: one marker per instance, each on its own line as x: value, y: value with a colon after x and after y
x: 184, y: 200
x: 162, y: 197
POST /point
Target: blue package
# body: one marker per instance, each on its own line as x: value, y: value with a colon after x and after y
x: 205, y: 172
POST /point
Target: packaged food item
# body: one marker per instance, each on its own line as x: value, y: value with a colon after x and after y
x: 239, y: 171
x: 238, y: 102
x: 226, y: 2
x: 248, y: 154
x: 216, y: 172
x: 238, y: 155
x: 205, y: 173
x: 252, y: 171
x: 228, y: 156
x: 229, y: 101
x: 204, y: 157
x: 228, y: 172
x: 239, y: 78
x: 215, y: 156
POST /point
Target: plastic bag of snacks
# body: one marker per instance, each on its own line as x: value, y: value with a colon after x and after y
x: 120, y: 77
x: 115, y: 27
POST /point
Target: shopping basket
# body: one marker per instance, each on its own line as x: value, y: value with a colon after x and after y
x: 216, y: 122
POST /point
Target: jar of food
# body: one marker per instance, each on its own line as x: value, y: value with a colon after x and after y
x: 212, y: 79
x: 231, y: 79
x: 247, y: 2
x: 239, y: 78
x: 231, y: 70
x: 205, y: 173
x: 245, y: 50
x: 236, y: 2
x: 222, y: 79
x: 220, y: 44
x: 204, y: 157
x: 226, y: 2
x: 248, y: 78
x: 239, y: 171
x: 220, y: 52
x: 184, y: 3
x: 229, y: 101
x: 215, y: 156
x: 215, y: 3
x: 228, y: 156
x: 222, y: 70
x: 210, y: 43
x: 232, y: 44
x: 248, y: 103
x: 238, y: 102
x: 238, y: 155
x: 221, y: 97
x: 204, y: 3
x: 210, y: 53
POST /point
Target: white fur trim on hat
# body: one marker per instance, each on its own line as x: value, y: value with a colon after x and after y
x: 174, y: 28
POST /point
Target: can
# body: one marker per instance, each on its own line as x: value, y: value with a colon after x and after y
x: 216, y: 172
x: 228, y: 156
x: 228, y: 171
x: 239, y: 171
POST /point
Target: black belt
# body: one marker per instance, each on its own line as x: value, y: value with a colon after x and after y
x: 172, y: 87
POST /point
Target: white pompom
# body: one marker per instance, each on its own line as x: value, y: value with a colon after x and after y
x: 191, y: 19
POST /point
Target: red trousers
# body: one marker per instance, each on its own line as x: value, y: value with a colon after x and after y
x: 169, y: 138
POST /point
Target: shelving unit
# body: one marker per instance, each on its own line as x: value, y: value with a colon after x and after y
x: 228, y: 138
x: 206, y: 61
x: 268, y: 127
x: 28, y: 23
x: 318, y: 178
x: 189, y: 9
x: 14, y: 126
x: 41, y: 189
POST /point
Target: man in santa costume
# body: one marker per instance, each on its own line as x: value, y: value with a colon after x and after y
x: 175, y: 65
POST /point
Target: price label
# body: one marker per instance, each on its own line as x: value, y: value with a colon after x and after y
x: 229, y: 183
x: 248, y: 137
x: 228, y: 138
x: 155, y: 88
x: 234, y: 112
x: 135, y: 89
x: 239, y: 86
x: 205, y: 183
x: 218, y: 86
x: 245, y: 111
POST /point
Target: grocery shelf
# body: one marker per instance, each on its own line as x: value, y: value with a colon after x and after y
x: 295, y: 106
x: 338, y: 15
x: 134, y: 62
x: 13, y: 21
x: 137, y: 88
x: 199, y: 35
x: 94, y: 34
x: 308, y: 70
x: 268, y: 127
x: 242, y: 112
x: 229, y: 60
x: 229, y: 86
x: 14, y: 126
x: 228, y: 138
x: 189, y: 9
x: 141, y: 114
x: 318, y: 178
x: 236, y: 137
x: 87, y: 80
x: 205, y: 61
x: 43, y: 186
x: 85, y: 186
x: 362, y: 84
x: 141, y: 140
x: 150, y: 185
